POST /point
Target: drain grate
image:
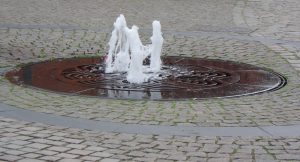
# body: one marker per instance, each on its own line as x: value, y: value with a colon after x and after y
x: 180, y: 78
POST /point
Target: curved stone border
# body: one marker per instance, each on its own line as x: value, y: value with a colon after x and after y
x: 32, y: 116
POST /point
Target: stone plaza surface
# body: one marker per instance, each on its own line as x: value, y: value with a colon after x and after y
x: 265, y: 33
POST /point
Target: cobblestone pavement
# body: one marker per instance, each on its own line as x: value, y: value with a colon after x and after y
x: 278, y: 19
x: 27, y: 141
x: 179, y: 15
x: 265, y: 33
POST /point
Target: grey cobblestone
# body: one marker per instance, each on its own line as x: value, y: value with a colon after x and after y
x: 109, y: 160
x: 58, y: 149
x: 38, y: 145
x: 97, y: 15
x: 67, y: 155
x: 30, y: 160
x: 273, y: 18
x: 102, y: 154
x: 197, y: 148
x: 50, y: 158
x: 32, y: 155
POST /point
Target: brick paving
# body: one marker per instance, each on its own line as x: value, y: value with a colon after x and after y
x: 261, y: 32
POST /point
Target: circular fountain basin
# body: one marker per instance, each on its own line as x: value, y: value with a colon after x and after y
x: 180, y: 78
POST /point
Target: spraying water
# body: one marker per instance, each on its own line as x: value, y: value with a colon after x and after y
x: 127, y: 53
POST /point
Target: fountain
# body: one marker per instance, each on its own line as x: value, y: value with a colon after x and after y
x: 132, y: 70
x: 127, y: 53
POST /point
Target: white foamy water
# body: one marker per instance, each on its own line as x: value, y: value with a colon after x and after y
x: 127, y: 53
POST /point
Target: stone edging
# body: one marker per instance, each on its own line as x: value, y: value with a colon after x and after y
x: 32, y: 116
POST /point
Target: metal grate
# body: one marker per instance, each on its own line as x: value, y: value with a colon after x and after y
x: 180, y: 78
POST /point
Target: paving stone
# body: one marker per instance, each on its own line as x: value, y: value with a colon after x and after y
x: 30, y: 160
x: 137, y: 154
x: 70, y: 140
x: 177, y: 157
x: 10, y: 157
x: 20, y: 142
x: 218, y: 159
x: 94, y: 148
x: 13, y: 146
x: 197, y: 154
x: 80, y: 152
x: 218, y: 155
x: 31, y: 155
x: 14, y: 152
x: 2, y: 149
x: 77, y: 146
x: 46, y: 152
x: 91, y: 158
x: 288, y: 157
x: 58, y: 149
x: 66, y: 155
x: 38, y: 145
x: 70, y: 160
x: 50, y: 158
x: 243, y: 160
x: 101, y: 154
x: 164, y: 160
x: 29, y: 149
x: 109, y: 160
